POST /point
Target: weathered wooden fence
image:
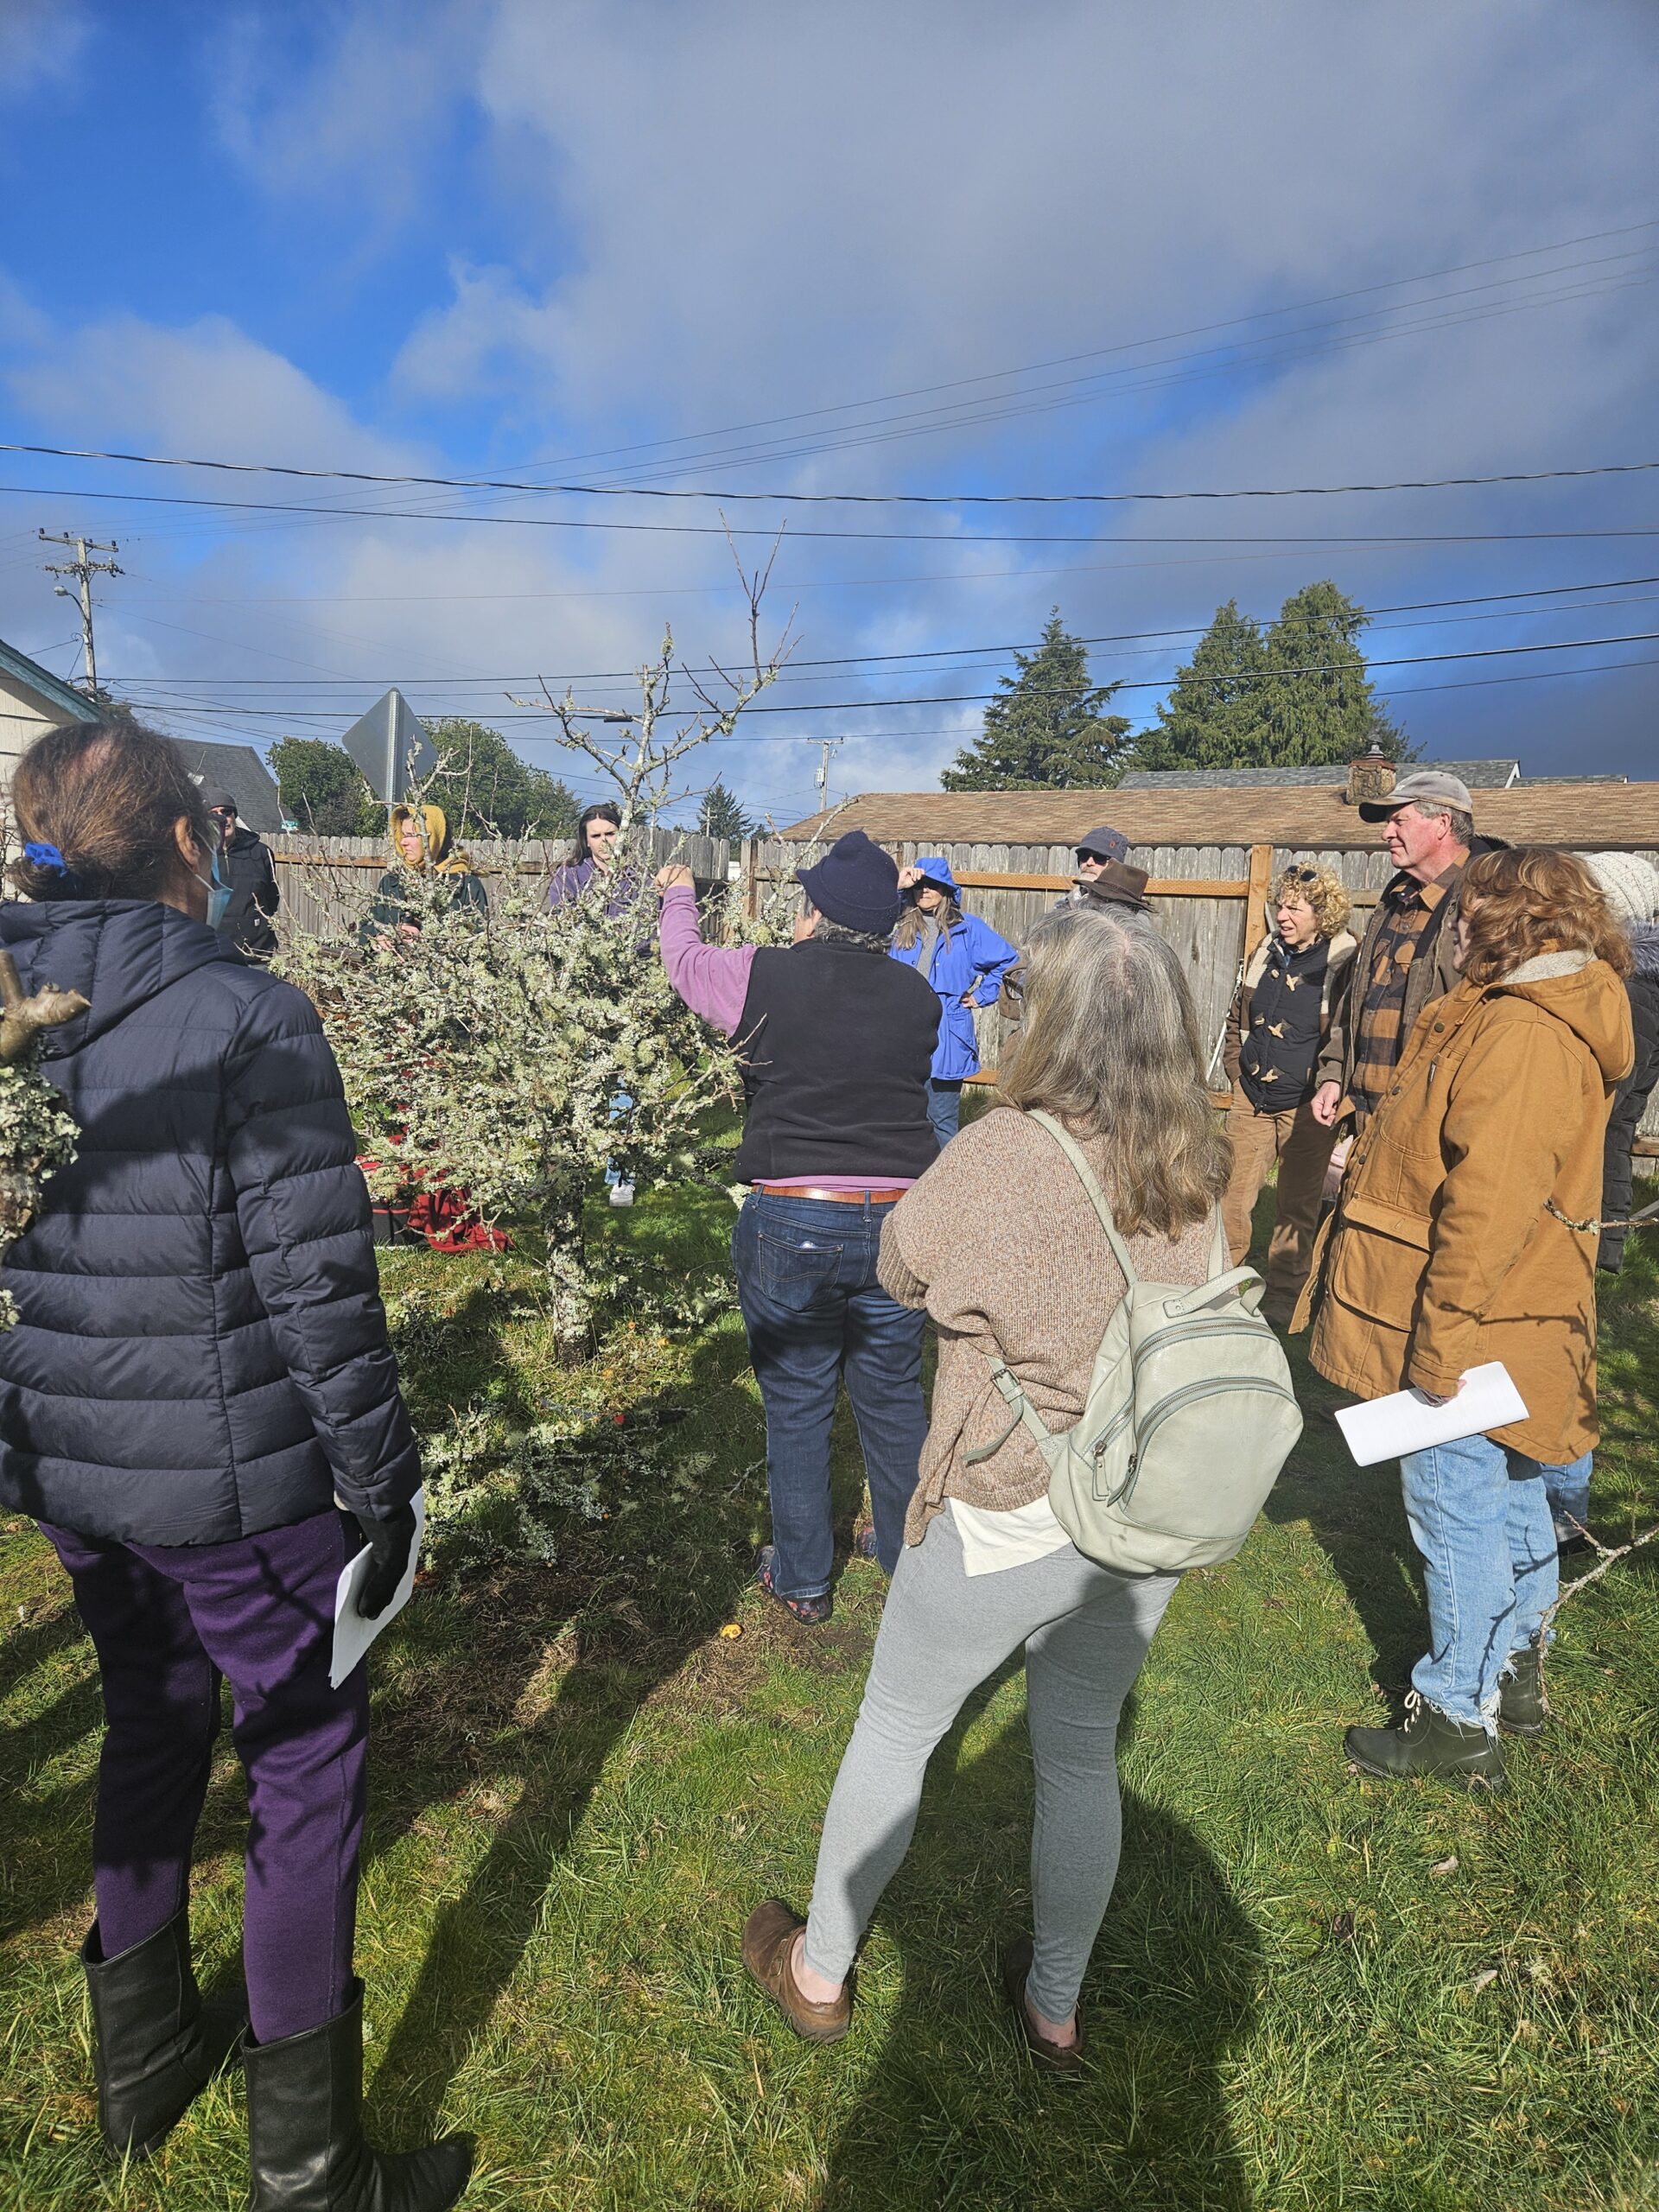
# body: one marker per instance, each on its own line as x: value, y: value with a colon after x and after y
x: 1208, y: 901
x: 327, y: 882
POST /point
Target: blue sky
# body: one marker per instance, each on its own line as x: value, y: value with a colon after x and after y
x: 588, y: 243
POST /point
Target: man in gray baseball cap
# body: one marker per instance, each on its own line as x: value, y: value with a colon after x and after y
x: 1105, y: 872
x: 1405, y: 958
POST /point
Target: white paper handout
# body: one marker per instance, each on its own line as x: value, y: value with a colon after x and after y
x: 1387, y: 1429
x: 352, y: 1634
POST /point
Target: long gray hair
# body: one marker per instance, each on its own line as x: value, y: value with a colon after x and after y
x: 1110, y: 1046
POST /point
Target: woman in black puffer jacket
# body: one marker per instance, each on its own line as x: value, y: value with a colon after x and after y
x: 200, y: 1371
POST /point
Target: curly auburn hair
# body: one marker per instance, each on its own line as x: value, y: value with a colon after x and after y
x: 1526, y: 900
x: 1322, y: 888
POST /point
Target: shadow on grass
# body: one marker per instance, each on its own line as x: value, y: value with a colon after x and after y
x: 956, y: 2114
x: 506, y: 1705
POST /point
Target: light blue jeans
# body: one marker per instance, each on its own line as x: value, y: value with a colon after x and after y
x: 1568, y: 1491
x: 1480, y: 1517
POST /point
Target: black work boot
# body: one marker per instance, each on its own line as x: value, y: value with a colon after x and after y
x: 154, y: 2045
x: 305, y: 2130
x: 1428, y: 1743
x: 1523, y: 1709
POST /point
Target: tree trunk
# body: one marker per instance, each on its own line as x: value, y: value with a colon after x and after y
x: 569, y: 1300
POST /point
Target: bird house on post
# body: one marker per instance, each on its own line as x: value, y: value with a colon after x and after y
x: 1371, y: 777
x: 390, y: 744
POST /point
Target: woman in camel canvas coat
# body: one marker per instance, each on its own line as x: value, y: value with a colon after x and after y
x: 1467, y: 1232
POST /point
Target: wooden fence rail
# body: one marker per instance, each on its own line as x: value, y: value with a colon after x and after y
x: 1209, y: 900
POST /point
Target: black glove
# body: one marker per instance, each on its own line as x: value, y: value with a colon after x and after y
x: 392, y: 1540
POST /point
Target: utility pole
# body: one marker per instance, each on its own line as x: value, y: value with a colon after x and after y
x: 83, y: 571
x: 828, y: 746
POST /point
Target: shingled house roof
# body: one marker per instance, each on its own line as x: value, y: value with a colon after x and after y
x: 1587, y: 816
x: 1495, y: 775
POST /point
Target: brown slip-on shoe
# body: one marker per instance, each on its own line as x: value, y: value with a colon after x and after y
x: 1057, y: 2057
x: 769, y: 1936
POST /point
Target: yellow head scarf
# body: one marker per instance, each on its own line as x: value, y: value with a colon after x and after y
x: 446, y: 858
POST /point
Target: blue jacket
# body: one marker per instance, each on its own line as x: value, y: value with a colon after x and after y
x: 201, y: 1350
x: 976, y: 958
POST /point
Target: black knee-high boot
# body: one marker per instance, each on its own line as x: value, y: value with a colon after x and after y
x: 154, y: 2045
x: 305, y: 2130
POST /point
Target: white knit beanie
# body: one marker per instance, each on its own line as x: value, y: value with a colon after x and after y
x: 1631, y: 884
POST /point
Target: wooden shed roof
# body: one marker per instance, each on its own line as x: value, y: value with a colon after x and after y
x: 1587, y: 816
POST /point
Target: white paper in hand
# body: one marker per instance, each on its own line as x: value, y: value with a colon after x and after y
x: 1387, y: 1429
x: 352, y: 1634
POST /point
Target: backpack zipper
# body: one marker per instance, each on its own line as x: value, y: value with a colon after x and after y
x: 1177, y: 1404
x: 1177, y: 1330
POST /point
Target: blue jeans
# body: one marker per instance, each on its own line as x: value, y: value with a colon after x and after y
x: 943, y: 1110
x: 1480, y: 1518
x: 815, y: 1312
x: 1568, y: 1491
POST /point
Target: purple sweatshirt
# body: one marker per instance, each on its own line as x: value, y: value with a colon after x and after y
x: 713, y: 982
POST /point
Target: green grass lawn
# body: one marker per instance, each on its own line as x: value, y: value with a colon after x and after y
x: 1311, y: 1991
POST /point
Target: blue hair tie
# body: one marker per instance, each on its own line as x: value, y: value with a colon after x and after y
x: 63, y: 882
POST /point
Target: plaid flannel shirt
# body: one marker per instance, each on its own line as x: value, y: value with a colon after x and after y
x: 1382, y: 1009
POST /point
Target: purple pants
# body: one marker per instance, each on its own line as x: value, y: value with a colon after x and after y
x: 167, y: 1621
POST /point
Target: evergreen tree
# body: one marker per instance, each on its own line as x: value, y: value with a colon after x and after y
x: 1046, y: 730
x: 721, y: 815
x: 1328, y: 712
x: 1215, y: 716
x: 1298, y: 696
x: 488, y: 790
x: 322, y: 790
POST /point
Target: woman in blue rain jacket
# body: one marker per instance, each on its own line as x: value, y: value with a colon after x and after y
x: 965, y: 961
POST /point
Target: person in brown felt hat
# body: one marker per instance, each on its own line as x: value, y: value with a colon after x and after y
x: 1104, y: 871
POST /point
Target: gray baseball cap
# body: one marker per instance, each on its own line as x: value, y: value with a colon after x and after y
x: 1425, y: 786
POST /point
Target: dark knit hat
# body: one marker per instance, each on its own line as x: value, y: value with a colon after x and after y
x: 215, y: 795
x: 855, y: 884
x: 1104, y: 844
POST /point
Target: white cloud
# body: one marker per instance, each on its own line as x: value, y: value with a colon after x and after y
x: 41, y: 45
x: 311, y: 103
x: 207, y: 390
x: 679, y: 216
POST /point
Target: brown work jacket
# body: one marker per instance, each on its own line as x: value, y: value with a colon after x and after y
x: 1465, y: 1231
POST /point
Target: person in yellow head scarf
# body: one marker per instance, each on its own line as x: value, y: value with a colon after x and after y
x: 420, y: 838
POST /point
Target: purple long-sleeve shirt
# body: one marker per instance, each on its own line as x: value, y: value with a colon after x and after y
x: 713, y: 982
x: 712, y: 979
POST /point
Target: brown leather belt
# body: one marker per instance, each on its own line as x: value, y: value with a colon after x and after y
x: 876, y: 1198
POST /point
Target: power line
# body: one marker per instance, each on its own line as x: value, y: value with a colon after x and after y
x: 930, y: 652
x: 1149, y: 683
x: 824, y: 498
x: 902, y: 537
x: 888, y: 736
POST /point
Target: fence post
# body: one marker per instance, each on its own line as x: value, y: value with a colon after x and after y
x: 1256, y: 916
x: 751, y: 877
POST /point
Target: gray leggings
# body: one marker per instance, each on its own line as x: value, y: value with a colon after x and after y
x: 1085, y: 1633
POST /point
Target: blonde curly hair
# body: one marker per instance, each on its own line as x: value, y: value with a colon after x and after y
x: 1322, y: 889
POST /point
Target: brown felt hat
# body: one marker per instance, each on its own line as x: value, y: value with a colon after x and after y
x: 1118, y: 884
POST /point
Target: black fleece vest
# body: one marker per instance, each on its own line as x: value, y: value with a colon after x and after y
x: 836, y: 1044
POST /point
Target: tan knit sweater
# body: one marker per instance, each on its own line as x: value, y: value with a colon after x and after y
x: 1001, y: 1245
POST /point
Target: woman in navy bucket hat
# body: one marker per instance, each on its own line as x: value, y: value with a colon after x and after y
x: 199, y: 1371
x: 965, y: 960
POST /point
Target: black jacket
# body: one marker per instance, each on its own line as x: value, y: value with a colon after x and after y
x: 251, y: 872
x: 1631, y: 1100
x: 202, y: 1350
x: 836, y: 1043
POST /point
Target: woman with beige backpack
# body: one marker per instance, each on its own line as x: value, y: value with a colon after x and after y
x: 1040, y: 1242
